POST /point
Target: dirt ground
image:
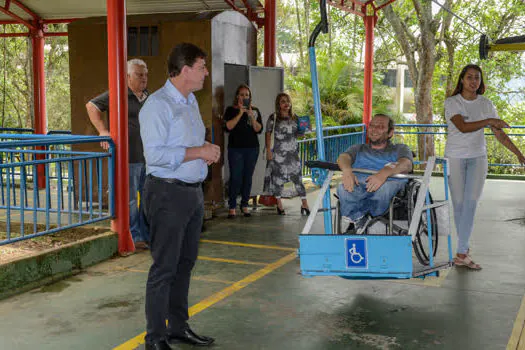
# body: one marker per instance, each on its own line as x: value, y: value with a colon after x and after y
x: 35, y: 245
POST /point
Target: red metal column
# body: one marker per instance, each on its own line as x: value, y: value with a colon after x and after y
x: 269, y: 33
x: 370, y: 19
x: 39, y: 93
x: 118, y: 121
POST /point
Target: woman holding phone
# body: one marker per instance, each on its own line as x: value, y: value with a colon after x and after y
x: 243, y: 123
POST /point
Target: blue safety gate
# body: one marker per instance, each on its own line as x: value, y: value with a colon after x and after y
x: 47, y: 184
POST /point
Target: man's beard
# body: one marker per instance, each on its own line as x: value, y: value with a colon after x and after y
x: 379, y: 142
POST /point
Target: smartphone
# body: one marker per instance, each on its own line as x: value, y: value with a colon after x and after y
x: 246, y: 103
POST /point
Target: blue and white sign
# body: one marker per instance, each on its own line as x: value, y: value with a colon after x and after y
x: 356, y: 253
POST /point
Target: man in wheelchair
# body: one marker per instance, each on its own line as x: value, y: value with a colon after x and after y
x: 363, y: 196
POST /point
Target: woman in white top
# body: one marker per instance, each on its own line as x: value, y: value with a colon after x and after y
x: 467, y: 113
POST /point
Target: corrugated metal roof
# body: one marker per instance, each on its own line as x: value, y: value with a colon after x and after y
x: 55, y: 9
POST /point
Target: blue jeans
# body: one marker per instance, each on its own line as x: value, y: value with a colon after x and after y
x: 137, y: 220
x: 242, y: 163
x: 358, y: 203
x: 466, y: 180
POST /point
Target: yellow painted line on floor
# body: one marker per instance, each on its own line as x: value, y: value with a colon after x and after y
x: 231, y: 261
x: 215, y: 298
x: 517, y: 337
x: 196, y: 278
x: 214, y: 280
x: 248, y: 245
x: 235, y: 224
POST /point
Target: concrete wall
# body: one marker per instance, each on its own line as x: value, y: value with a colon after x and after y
x: 226, y: 37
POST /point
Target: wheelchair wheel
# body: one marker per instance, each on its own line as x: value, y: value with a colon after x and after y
x: 420, y: 243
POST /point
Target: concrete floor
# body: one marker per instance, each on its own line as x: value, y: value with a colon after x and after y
x: 247, y: 293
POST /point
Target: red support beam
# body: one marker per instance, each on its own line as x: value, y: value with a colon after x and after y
x: 25, y: 9
x: 60, y: 20
x: 17, y: 18
x: 118, y: 120
x: 269, y: 33
x: 39, y: 94
x: 56, y: 34
x: 14, y: 35
x: 370, y: 22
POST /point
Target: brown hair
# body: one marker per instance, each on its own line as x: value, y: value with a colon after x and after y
x: 239, y: 88
x: 278, y: 106
x: 459, y: 85
x: 184, y: 54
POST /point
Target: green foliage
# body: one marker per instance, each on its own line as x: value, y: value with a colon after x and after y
x: 57, y: 81
x: 340, y: 89
x: 16, y: 91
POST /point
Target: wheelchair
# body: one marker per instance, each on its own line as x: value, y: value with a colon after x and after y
x: 397, y: 219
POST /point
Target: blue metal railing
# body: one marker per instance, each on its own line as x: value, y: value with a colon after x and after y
x: 80, y: 193
x: 421, y: 138
x: 424, y: 137
x: 336, y: 140
x: 17, y: 132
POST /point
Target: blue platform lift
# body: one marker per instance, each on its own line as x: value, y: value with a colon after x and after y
x: 364, y: 256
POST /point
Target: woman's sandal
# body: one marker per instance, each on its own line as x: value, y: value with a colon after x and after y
x: 466, y: 262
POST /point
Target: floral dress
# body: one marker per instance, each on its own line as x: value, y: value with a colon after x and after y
x: 286, y: 164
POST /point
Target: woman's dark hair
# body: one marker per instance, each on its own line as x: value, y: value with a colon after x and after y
x: 459, y: 85
x: 278, y: 105
x: 181, y: 55
x: 239, y: 88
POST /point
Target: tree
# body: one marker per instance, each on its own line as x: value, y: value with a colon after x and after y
x: 417, y: 39
x: 436, y: 45
x: 16, y: 97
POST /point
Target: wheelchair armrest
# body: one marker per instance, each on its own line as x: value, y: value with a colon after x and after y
x: 335, y: 167
x: 322, y: 165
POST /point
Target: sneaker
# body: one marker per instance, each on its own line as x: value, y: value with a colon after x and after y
x: 345, y: 224
x: 361, y: 224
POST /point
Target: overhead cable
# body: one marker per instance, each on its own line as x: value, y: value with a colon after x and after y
x: 461, y: 19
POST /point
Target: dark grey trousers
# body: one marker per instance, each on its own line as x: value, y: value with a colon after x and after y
x: 174, y: 214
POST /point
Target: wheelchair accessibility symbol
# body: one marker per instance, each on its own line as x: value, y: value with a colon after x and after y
x: 356, y: 253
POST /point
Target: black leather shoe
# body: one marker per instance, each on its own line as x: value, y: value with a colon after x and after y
x: 245, y: 212
x: 188, y: 337
x: 305, y: 211
x: 158, y: 345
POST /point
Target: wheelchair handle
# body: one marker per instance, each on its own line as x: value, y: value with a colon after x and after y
x: 335, y: 167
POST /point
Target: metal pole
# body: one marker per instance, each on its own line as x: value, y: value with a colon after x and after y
x: 269, y: 33
x: 118, y: 120
x: 39, y: 95
x: 321, y: 26
x: 370, y: 21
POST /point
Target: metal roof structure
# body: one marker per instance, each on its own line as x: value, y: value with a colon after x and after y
x: 70, y: 9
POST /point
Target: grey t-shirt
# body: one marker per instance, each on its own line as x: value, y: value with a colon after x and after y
x: 135, y: 149
x: 365, y: 157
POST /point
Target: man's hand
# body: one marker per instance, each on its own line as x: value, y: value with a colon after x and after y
x: 210, y: 153
x: 349, y: 180
x: 374, y: 182
x: 104, y: 144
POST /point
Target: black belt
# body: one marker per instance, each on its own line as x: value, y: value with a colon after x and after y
x: 176, y: 181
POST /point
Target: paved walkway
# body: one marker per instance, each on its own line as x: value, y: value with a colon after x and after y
x: 247, y: 293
